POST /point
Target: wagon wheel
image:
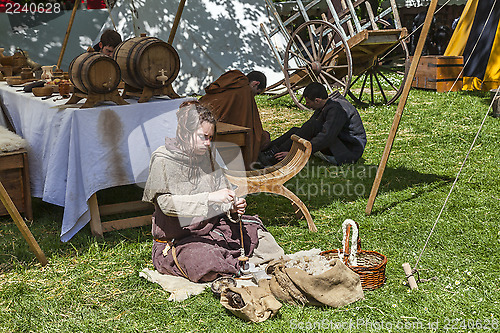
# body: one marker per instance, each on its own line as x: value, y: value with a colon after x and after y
x: 323, y: 57
x: 384, y: 80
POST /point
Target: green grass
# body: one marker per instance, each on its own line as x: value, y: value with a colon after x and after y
x: 93, y: 285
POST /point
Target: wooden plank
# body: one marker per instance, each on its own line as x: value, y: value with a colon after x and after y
x: 23, y: 228
x: 228, y: 140
x: 348, y: 18
x: 395, y: 14
x: 10, y: 161
x: 282, y: 25
x: 399, y: 111
x: 15, y: 177
x: 358, y: 38
x: 336, y: 19
x: 369, y: 10
x: 95, y: 217
x: 380, y: 39
x: 346, y: 11
x: 229, y: 135
x: 224, y: 128
x: 354, y: 17
x: 124, y: 207
x: 131, y: 222
x: 27, y: 189
x: 13, y: 184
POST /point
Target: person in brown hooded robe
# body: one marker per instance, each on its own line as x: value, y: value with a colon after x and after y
x: 231, y: 99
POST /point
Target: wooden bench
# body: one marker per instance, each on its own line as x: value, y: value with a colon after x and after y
x: 271, y: 179
x: 14, y: 175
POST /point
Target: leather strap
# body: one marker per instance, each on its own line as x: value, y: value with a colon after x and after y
x: 174, y: 254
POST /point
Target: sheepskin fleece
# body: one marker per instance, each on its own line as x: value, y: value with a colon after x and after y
x: 10, y: 141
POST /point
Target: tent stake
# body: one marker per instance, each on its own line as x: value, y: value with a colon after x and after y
x: 68, y: 31
x: 401, y: 105
x: 409, y: 276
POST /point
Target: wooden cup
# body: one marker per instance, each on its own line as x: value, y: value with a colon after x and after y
x: 64, y: 89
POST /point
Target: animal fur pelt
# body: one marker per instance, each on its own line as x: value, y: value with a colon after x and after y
x: 10, y: 141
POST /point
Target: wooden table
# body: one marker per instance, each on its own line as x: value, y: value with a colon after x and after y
x: 230, y: 139
x: 74, y: 153
x: 229, y: 133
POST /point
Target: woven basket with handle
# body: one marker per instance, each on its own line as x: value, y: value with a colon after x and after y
x: 369, y: 265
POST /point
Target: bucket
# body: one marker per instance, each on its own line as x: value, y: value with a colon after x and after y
x: 147, y: 61
x: 94, y: 72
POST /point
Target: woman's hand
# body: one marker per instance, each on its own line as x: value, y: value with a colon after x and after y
x: 222, y: 196
x: 239, y: 206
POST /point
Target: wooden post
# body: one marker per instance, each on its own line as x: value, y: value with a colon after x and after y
x: 68, y: 31
x: 409, y: 276
x: 177, y: 19
x: 28, y: 236
x: 401, y: 105
x: 95, y: 216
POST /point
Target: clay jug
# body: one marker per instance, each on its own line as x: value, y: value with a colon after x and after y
x: 47, y: 72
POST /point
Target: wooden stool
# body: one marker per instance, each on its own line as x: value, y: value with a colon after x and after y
x: 271, y: 179
x: 14, y: 175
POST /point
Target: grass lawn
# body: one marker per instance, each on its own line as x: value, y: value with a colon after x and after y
x: 92, y: 285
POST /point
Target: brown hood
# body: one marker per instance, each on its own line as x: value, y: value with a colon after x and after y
x: 231, y: 100
x: 230, y: 80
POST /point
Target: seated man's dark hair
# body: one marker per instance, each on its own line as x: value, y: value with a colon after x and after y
x: 315, y: 90
x: 110, y: 38
x: 259, y: 77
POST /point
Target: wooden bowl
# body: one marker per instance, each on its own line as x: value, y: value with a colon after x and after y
x: 13, y: 80
x: 42, y: 91
x: 55, y: 87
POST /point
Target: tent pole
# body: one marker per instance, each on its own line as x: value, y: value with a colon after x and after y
x: 177, y: 19
x: 66, y: 37
x: 401, y: 105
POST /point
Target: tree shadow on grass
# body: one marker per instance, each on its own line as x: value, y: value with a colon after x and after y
x: 320, y: 185
x: 46, y: 229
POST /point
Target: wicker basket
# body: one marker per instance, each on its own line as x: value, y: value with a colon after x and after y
x: 370, y: 265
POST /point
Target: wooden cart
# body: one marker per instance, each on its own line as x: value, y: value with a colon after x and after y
x: 364, y: 58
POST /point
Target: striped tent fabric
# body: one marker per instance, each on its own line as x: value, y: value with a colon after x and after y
x: 477, y: 39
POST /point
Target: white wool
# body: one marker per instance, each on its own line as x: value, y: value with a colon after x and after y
x: 353, y: 260
x: 309, y: 261
x: 10, y: 141
x: 179, y: 287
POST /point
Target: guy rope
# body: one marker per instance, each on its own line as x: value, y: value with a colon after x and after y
x: 406, y: 266
x: 409, y: 272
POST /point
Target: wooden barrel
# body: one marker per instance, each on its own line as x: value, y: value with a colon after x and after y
x: 143, y: 60
x: 94, y: 72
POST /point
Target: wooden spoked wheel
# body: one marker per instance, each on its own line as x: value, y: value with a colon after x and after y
x: 317, y: 52
x: 383, y: 80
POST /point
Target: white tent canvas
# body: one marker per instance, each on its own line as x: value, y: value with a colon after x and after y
x: 212, y: 37
x: 41, y: 35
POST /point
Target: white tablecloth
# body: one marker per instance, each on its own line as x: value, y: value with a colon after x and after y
x: 73, y: 153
